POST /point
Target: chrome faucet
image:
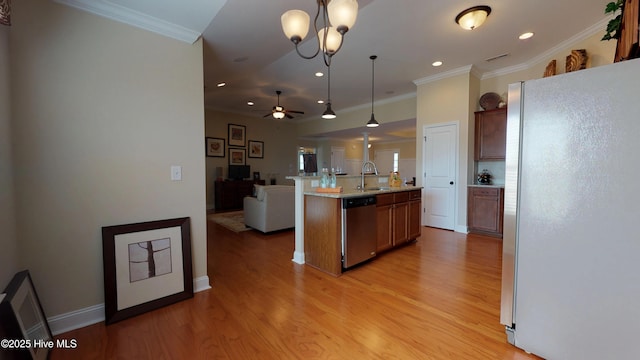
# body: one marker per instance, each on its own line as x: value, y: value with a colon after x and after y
x: 375, y: 169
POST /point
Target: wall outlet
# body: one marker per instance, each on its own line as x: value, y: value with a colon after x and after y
x: 383, y: 180
x: 176, y: 172
x: 315, y: 183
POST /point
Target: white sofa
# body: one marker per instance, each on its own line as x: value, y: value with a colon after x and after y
x: 272, y: 208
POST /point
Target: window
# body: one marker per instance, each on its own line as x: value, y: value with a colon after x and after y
x: 396, y: 158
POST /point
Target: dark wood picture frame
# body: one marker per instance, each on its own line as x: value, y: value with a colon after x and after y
x: 214, y: 147
x: 237, y: 135
x: 256, y: 149
x: 126, y: 296
x: 22, y: 320
x: 237, y: 156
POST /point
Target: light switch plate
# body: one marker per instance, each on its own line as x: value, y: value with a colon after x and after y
x: 176, y: 172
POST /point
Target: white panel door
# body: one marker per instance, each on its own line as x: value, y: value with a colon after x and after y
x: 440, y: 155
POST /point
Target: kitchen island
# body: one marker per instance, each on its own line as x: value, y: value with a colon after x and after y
x: 330, y: 244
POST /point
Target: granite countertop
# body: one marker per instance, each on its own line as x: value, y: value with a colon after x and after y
x: 351, y: 193
x: 487, y: 186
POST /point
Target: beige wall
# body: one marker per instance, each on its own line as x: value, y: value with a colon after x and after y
x: 101, y: 111
x: 8, y: 240
x: 280, y: 147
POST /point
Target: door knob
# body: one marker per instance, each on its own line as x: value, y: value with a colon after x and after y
x: 450, y: 182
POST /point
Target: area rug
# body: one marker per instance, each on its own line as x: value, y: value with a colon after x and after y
x: 233, y: 221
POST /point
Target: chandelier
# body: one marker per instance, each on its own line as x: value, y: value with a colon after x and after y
x: 333, y: 19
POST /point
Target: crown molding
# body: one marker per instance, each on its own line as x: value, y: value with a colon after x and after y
x: 447, y: 74
x: 134, y: 18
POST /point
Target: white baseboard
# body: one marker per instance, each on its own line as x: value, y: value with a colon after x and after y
x: 76, y: 319
x: 94, y: 314
x: 201, y: 284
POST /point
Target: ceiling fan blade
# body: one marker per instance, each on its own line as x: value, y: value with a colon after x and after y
x: 288, y: 116
x: 269, y: 114
x: 295, y: 111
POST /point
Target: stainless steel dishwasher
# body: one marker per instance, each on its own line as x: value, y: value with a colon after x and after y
x: 358, y: 230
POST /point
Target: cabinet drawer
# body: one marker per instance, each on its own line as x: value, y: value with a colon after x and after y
x: 384, y: 199
x: 415, y: 194
x: 401, y: 197
x: 485, y: 191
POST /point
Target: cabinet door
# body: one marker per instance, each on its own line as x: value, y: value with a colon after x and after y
x: 484, y: 210
x: 415, y: 210
x: 491, y: 134
x: 384, y: 227
x: 400, y: 223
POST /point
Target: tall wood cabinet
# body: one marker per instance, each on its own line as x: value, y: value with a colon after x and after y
x: 491, y: 134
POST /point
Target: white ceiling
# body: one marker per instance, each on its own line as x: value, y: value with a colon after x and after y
x: 244, y: 46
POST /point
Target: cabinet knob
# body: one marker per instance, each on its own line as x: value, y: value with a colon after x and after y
x: 450, y: 182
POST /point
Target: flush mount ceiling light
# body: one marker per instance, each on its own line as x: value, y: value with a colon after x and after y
x: 336, y: 18
x: 372, y: 122
x: 473, y: 17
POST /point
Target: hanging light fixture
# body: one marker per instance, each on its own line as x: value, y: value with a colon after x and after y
x: 337, y: 17
x: 329, y: 113
x: 473, y: 17
x: 372, y: 122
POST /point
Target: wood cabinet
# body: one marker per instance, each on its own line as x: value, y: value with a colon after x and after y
x: 415, y: 213
x: 398, y: 218
x: 490, y: 134
x: 323, y: 233
x: 384, y: 222
x: 485, y: 210
x: 229, y: 194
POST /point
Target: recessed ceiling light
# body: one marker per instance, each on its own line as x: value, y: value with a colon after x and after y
x: 525, y: 36
x: 319, y: 74
x: 320, y: 101
x: 436, y: 63
x: 221, y: 84
x: 250, y: 103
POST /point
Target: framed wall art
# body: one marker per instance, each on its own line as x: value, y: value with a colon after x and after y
x: 215, y: 147
x: 256, y: 149
x: 22, y: 320
x: 146, y: 266
x: 237, y: 135
x: 237, y: 156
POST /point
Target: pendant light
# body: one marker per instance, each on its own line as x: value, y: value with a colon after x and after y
x: 372, y: 122
x: 329, y: 113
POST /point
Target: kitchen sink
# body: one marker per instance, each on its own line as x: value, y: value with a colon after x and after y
x: 375, y: 188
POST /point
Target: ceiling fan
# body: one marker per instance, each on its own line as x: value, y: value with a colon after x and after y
x: 279, y: 112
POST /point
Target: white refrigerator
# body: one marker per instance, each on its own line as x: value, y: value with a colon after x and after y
x: 571, y: 251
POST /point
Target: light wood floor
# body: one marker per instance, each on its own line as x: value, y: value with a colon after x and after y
x: 437, y: 298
